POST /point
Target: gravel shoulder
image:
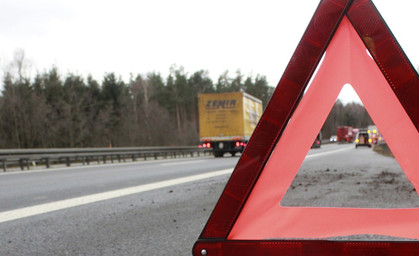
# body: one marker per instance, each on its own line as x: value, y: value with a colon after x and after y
x: 366, y: 180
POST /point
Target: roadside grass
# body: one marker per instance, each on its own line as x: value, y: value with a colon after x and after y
x: 383, y: 149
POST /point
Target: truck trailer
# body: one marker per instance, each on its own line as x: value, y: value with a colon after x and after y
x: 227, y: 120
x: 345, y: 134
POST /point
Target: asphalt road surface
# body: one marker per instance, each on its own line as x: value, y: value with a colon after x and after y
x: 160, y: 207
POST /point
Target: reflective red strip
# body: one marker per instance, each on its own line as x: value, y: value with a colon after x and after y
x: 306, y: 248
x: 386, y: 51
x: 283, y: 102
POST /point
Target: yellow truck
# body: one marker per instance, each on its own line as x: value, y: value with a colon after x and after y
x: 227, y: 120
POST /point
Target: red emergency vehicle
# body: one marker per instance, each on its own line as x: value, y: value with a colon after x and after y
x: 345, y: 134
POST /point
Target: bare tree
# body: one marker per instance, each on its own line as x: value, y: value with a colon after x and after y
x: 19, y: 67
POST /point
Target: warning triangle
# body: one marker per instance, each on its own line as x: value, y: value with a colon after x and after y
x: 359, y: 51
x: 346, y: 61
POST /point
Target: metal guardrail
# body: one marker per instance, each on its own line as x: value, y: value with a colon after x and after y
x: 23, y: 158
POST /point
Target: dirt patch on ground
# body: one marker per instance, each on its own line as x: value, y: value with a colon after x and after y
x: 365, y: 185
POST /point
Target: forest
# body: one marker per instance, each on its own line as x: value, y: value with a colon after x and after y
x: 71, y: 111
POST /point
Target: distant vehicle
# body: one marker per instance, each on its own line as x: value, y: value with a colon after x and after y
x: 318, y: 141
x: 227, y: 120
x: 374, y: 133
x: 345, y: 134
x: 363, y: 138
x: 333, y: 138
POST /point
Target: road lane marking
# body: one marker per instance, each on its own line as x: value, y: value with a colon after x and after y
x: 83, y: 200
x: 183, y: 162
x: 328, y: 152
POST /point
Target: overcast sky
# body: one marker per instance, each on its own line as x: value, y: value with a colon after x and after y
x: 136, y: 37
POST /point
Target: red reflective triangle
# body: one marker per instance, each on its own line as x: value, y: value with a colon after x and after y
x: 346, y: 61
x: 235, y: 217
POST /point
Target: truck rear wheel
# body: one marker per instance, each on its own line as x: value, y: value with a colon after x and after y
x: 218, y: 154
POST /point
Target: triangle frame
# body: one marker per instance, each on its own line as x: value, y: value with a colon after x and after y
x: 345, y: 61
x: 400, y: 75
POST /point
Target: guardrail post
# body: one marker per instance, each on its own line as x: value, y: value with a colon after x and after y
x: 134, y: 158
x: 4, y: 165
x: 47, y: 162
x: 27, y: 164
x: 67, y: 161
x: 104, y: 159
x: 155, y: 156
x: 21, y: 164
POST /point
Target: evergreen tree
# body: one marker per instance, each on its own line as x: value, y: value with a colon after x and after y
x: 51, y: 112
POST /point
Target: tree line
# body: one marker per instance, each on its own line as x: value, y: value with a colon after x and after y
x: 53, y: 111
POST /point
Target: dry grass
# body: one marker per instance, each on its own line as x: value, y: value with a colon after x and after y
x: 383, y: 149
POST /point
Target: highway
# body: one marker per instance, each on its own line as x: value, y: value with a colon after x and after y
x: 160, y: 207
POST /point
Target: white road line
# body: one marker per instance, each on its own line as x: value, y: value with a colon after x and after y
x: 78, y: 201
x: 328, y: 152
